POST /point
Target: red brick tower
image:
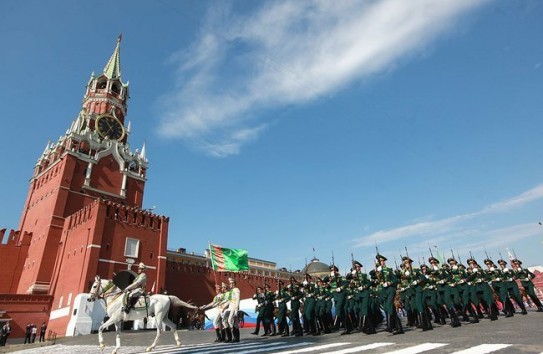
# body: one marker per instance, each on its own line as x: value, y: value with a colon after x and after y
x: 84, y: 207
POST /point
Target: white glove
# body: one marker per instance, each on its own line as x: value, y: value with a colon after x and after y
x: 436, y: 268
x: 505, y: 270
x: 304, y: 282
x: 379, y: 268
x: 360, y: 288
x: 415, y: 282
x: 492, y: 269
x: 475, y: 270
x: 338, y: 289
x: 385, y: 284
x: 407, y: 273
x: 454, y: 267
x: 353, y: 272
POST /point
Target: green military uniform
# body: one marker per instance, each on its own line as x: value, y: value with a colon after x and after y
x: 260, y: 311
x: 310, y: 292
x: 282, y: 296
x: 481, y: 291
x: 430, y: 293
x: 269, y: 297
x: 363, y: 299
x: 525, y: 277
x: 510, y: 286
x: 296, y: 296
x: 415, y: 281
x: 322, y: 297
x: 387, y: 282
x: 338, y: 288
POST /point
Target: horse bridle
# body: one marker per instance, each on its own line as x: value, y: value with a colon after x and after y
x: 102, y: 293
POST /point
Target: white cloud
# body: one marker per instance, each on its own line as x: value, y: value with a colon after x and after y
x: 290, y: 52
x: 453, y: 227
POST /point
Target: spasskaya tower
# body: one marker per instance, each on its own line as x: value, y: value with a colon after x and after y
x: 84, y: 206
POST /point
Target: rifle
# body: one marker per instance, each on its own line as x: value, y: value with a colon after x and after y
x: 459, y: 259
x: 487, y: 256
x: 452, y: 253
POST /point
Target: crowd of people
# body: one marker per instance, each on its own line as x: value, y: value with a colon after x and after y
x: 32, y: 331
x: 448, y: 293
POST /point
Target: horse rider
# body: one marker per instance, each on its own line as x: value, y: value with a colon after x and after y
x: 136, y: 289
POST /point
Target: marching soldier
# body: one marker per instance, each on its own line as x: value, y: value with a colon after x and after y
x: 338, y: 285
x: 295, y: 300
x: 260, y: 310
x: 363, y: 297
x: 309, y: 290
x: 282, y: 297
x: 481, y: 291
x: 323, y: 296
x: 510, y: 286
x: 415, y: 282
x: 525, y: 277
x: 269, y: 297
x: 387, y: 282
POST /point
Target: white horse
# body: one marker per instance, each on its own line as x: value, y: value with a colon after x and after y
x: 159, y: 307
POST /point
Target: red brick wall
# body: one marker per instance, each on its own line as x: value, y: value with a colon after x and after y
x: 23, y: 309
x: 12, y: 253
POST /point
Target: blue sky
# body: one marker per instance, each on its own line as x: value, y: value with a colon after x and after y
x: 286, y: 126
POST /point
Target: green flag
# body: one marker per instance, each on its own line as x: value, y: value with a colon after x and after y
x: 228, y: 259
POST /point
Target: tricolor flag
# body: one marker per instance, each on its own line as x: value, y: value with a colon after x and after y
x: 228, y: 259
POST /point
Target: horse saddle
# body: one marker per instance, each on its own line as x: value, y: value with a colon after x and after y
x: 143, y: 302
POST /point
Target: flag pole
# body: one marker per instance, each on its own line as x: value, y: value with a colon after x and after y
x: 212, y: 263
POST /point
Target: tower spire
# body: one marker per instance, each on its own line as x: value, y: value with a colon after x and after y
x: 113, y: 66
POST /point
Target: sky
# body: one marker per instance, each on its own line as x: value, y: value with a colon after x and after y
x: 301, y: 129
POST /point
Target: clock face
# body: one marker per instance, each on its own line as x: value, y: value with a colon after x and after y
x: 109, y: 127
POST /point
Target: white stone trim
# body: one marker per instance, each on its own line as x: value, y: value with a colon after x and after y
x: 117, y: 262
x: 94, y: 246
x: 65, y: 311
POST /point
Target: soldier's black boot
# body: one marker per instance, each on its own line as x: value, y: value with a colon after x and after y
x: 257, y: 327
x: 429, y: 319
x: 235, y: 331
x: 348, y: 326
x: 389, y: 323
x: 398, y: 325
x: 228, y: 335
x: 286, y: 331
x: 273, y: 330
x: 370, y: 327
x: 493, y: 312
x: 424, y: 321
x: 218, y: 333
x: 443, y: 315
x: 362, y: 324
x: 455, y: 322
x: 223, y: 335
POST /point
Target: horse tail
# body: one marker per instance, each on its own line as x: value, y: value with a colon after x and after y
x: 175, y: 307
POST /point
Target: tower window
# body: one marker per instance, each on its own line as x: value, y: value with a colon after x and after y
x: 131, y: 248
